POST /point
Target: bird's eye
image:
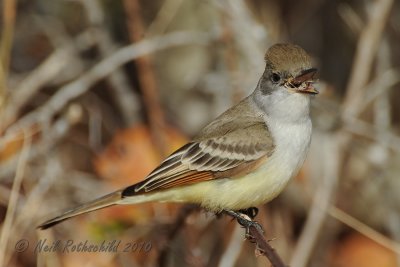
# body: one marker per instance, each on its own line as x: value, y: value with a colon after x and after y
x: 275, y: 78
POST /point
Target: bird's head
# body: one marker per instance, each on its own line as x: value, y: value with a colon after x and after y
x: 288, y: 79
x: 288, y: 67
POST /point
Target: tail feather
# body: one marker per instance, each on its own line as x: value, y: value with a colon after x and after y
x: 103, y: 202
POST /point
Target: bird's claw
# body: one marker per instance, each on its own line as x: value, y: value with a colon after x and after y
x: 250, y: 212
x: 246, y: 221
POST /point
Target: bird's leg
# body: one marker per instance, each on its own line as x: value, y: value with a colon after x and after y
x: 251, y: 212
x: 245, y: 221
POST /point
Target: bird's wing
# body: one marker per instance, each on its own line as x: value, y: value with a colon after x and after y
x: 206, y: 158
x: 211, y: 156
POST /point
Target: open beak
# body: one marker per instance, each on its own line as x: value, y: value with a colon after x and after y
x: 304, y: 82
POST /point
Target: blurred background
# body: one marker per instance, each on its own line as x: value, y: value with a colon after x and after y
x: 94, y: 93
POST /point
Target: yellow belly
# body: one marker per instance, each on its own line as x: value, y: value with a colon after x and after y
x: 251, y: 190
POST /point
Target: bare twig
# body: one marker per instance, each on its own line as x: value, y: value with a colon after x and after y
x: 364, y: 229
x: 365, y: 54
x: 5, y: 194
x: 378, y: 87
x: 8, y: 24
x: 57, y: 131
x: 249, y: 36
x: 101, y: 70
x: 184, y: 212
x: 48, y: 71
x: 164, y: 17
x: 382, y: 107
x: 332, y: 153
x: 127, y: 102
x: 59, y: 37
x: 351, y: 18
x: 34, y: 82
x: 33, y: 202
x: 30, y: 204
x: 232, y: 252
x: 367, y: 46
x: 360, y: 127
x: 48, y: 259
x: 230, y: 59
x: 9, y: 13
x: 257, y: 236
x: 43, y: 115
x: 146, y: 77
x: 12, y: 205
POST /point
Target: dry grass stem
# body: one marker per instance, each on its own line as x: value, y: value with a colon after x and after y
x: 6, y: 230
x: 364, y: 229
x: 9, y: 13
x: 146, y: 76
x: 367, y: 46
x: 35, y: 82
x: 101, y: 70
x: 331, y: 156
x: 77, y: 77
x: 164, y: 17
x: 126, y: 100
x: 56, y: 131
x: 232, y: 251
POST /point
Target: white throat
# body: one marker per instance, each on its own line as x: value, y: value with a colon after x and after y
x: 283, y: 106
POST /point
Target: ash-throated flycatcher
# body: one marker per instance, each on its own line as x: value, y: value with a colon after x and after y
x: 242, y: 159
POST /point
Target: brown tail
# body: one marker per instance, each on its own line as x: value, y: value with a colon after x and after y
x: 105, y: 201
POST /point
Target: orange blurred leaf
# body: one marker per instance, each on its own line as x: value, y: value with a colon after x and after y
x: 357, y: 250
x: 128, y: 159
x: 132, y: 155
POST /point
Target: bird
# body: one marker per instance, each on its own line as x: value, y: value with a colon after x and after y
x: 242, y: 159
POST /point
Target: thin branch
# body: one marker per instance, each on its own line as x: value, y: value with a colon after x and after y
x: 366, y: 51
x: 363, y: 128
x: 8, y: 25
x: 184, y: 212
x: 164, y: 17
x: 146, y: 77
x: 232, y: 251
x: 379, y: 86
x: 351, y: 18
x: 12, y: 205
x: 48, y: 259
x: 382, y: 105
x: 255, y: 234
x: 101, y: 70
x: 249, y: 34
x: 9, y: 13
x: 35, y: 81
x: 364, y: 229
x: 331, y: 156
x: 126, y: 100
x: 48, y: 71
x: 5, y: 194
x: 56, y: 131
x: 230, y: 58
x: 249, y: 37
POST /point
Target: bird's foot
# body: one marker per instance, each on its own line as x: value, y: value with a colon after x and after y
x: 251, y: 212
x: 245, y: 221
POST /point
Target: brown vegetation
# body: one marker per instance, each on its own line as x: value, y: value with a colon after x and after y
x: 94, y: 93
